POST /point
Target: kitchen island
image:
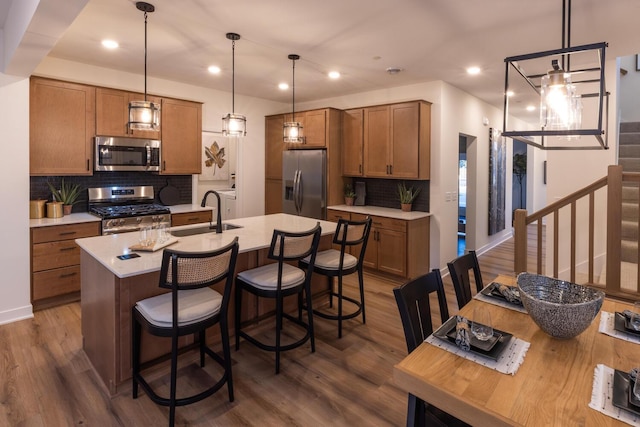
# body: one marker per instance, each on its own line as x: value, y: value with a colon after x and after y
x: 110, y: 287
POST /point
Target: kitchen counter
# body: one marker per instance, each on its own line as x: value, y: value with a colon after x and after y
x: 74, y: 218
x: 176, y: 209
x: 379, y: 211
x: 111, y: 287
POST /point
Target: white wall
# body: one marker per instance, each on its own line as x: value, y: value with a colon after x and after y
x: 216, y: 104
x: 14, y: 221
x: 629, y: 84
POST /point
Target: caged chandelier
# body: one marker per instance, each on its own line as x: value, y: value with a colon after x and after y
x: 144, y: 115
x: 293, y: 129
x: 234, y: 124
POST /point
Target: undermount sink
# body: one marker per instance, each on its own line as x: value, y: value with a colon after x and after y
x: 202, y: 230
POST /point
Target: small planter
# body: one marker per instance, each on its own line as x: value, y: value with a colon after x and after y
x: 406, y: 207
x: 67, y: 209
x: 349, y: 201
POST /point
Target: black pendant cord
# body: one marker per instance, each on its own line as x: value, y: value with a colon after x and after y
x: 566, y: 33
x: 145, y: 56
x: 293, y: 93
x: 233, y: 77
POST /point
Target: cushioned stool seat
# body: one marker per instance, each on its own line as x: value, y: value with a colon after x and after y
x: 194, y: 306
x: 266, y: 277
x: 330, y: 259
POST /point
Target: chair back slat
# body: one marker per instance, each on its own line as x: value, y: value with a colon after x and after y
x: 460, y: 269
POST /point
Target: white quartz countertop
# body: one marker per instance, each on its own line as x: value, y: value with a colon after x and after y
x: 256, y: 233
x: 74, y: 218
x: 385, y: 212
x: 188, y: 208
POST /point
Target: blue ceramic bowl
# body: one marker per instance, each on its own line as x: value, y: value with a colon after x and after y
x: 561, y: 309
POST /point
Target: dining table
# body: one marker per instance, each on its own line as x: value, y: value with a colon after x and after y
x: 552, y: 387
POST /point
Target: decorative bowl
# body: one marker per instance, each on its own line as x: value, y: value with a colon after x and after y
x: 561, y: 309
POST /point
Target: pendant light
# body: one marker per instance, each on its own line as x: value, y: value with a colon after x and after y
x: 144, y: 115
x: 234, y: 124
x: 293, y: 129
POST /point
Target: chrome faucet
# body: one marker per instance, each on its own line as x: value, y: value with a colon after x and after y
x: 219, y: 216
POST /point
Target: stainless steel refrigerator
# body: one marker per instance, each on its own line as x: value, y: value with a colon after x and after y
x: 304, y: 183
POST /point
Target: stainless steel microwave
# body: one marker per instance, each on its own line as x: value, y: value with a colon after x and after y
x: 127, y: 154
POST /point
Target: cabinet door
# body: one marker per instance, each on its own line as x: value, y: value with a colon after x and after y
x: 181, y: 137
x: 112, y: 113
x: 315, y: 123
x: 274, y: 146
x: 273, y: 196
x: 61, y: 128
x: 352, y: 142
x: 376, y: 141
x: 392, y: 251
x: 405, y: 121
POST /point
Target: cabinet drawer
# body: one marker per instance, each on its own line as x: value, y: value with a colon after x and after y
x: 334, y: 216
x: 55, y: 255
x: 389, y: 223
x: 64, y: 232
x: 190, y: 218
x: 56, y: 282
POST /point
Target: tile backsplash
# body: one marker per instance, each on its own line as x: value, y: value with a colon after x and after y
x: 384, y: 193
x: 40, y: 190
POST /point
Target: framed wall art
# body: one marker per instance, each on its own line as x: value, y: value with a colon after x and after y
x: 215, y: 164
x: 497, y: 181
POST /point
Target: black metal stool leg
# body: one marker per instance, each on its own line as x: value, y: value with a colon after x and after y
x: 237, y: 313
x: 339, y: 305
x: 361, y: 282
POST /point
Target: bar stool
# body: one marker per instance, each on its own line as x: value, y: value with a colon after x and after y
x: 339, y: 263
x: 278, y: 280
x: 191, y: 307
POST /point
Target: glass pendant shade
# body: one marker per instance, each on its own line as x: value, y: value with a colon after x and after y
x: 144, y: 115
x: 560, y: 105
x: 293, y: 133
x: 234, y: 125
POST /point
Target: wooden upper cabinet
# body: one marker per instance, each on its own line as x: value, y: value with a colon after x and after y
x: 61, y: 128
x: 376, y: 141
x: 397, y: 140
x: 181, y: 123
x: 112, y: 113
x: 274, y: 146
x: 352, y: 142
x: 315, y: 128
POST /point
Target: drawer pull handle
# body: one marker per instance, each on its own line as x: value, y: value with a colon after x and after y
x: 192, y: 219
x: 70, y: 248
x: 62, y: 276
x: 67, y: 233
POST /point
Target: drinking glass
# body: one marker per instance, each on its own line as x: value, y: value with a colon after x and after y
x: 481, y: 326
x: 163, y: 234
x: 146, y: 236
x: 634, y: 322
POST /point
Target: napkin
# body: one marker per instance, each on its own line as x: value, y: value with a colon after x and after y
x: 463, y: 339
x: 508, y: 293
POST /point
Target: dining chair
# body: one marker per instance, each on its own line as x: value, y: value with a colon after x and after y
x: 339, y: 263
x: 190, y: 307
x: 279, y: 280
x: 414, y: 306
x: 459, y: 270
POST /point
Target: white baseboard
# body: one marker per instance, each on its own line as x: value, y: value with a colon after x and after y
x: 16, y: 314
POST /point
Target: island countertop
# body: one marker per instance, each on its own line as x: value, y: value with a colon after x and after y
x: 256, y: 233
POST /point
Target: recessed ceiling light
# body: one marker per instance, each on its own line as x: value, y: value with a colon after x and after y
x: 510, y: 93
x: 283, y: 86
x: 334, y: 74
x: 110, y: 44
x: 531, y: 108
x: 214, y: 69
x: 394, y: 70
x: 473, y: 70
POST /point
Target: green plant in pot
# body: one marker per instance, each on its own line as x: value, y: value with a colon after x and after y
x: 407, y: 196
x: 349, y: 195
x: 68, y: 194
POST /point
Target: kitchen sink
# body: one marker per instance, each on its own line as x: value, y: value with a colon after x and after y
x: 203, y: 229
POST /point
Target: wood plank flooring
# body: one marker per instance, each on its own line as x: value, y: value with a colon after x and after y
x: 48, y: 381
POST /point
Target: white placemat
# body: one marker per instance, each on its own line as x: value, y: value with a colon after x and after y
x: 498, y: 301
x: 607, y: 322
x: 508, y: 362
x: 602, y: 396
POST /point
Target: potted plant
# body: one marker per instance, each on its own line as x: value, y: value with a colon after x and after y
x: 407, y: 196
x: 67, y: 194
x: 349, y: 195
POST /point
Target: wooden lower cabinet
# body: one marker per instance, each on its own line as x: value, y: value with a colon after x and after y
x: 55, y: 262
x: 187, y: 218
x: 273, y: 196
x: 396, y: 246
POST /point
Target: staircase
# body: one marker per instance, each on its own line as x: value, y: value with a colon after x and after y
x: 629, y: 159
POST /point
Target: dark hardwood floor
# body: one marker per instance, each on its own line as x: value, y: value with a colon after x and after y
x: 48, y: 381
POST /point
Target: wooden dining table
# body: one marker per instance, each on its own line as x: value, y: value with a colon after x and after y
x: 552, y: 386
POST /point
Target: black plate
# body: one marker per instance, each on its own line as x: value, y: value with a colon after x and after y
x: 621, y: 392
x: 491, y: 290
x: 621, y: 324
x: 447, y: 332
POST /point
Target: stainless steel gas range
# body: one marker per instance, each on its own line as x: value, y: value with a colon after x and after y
x: 125, y: 209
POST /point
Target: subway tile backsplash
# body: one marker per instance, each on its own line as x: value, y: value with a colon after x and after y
x: 40, y: 190
x: 384, y: 193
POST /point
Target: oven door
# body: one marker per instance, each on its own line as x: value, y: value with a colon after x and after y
x: 127, y: 154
